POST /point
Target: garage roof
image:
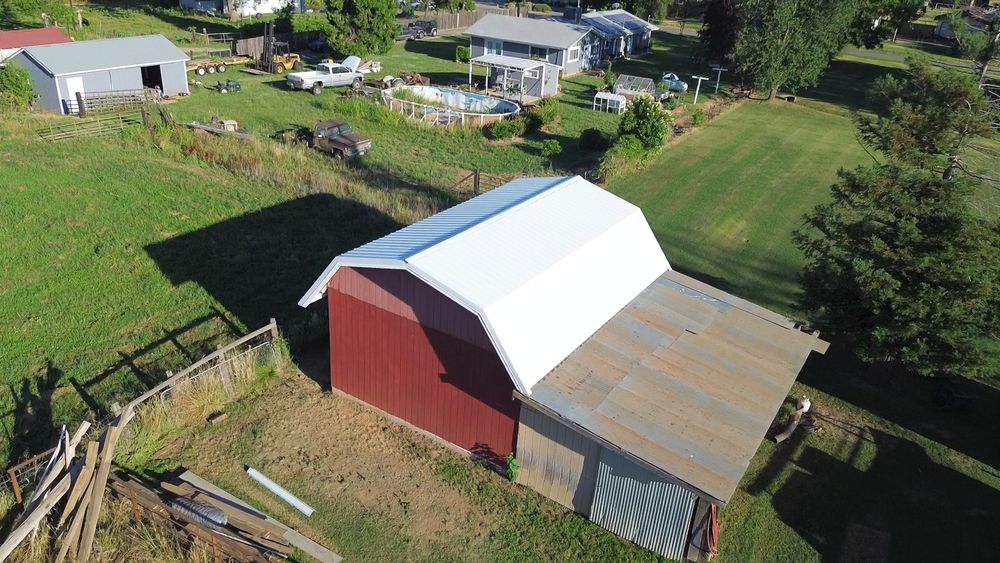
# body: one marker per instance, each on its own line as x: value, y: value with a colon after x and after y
x: 543, y: 33
x: 543, y: 262
x: 686, y: 379
x: 105, y: 54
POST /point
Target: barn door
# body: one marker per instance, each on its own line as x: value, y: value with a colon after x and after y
x: 74, y: 86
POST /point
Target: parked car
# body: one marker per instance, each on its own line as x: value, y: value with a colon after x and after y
x: 674, y: 82
x: 328, y: 75
x: 337, y: 139
x: 427, y: 27
x: 408, y: 34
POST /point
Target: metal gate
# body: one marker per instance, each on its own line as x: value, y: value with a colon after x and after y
x: 632, y: 502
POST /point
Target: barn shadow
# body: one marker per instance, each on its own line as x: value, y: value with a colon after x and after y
x: 259, y: 264
x: 902, y: 506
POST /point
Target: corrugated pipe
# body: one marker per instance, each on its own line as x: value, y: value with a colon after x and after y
x: 209, y: 516
x: 281, y: 492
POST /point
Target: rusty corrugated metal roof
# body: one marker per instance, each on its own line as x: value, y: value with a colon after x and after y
x: 686, y: 378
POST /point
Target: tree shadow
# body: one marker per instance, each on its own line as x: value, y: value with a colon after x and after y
x: 846, y: 83
x: 259, y: 264
x: 903, y: 507
x: 958, y: 413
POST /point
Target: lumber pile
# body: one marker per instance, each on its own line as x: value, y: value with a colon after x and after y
x: 228, y: 530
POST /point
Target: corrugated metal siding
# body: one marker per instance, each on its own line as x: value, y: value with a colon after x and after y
x: 633, y: 503
x: 556, y: 461
x: 402, y: 347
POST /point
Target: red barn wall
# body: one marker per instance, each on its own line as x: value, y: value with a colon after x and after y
x: 402, y: 346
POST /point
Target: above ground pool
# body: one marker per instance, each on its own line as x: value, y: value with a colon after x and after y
x: 448, y: 106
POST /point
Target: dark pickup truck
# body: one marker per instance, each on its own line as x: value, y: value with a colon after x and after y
x: 339, y: 140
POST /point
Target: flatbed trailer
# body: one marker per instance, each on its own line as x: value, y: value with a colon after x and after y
x: 201, y: 67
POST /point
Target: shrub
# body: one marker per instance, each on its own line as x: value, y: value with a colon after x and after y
x: 627, y: 152
x: 541, y: 7
x: 646, y: 120
x: 548, y: 110
x: 463, y: 53
x: 532, y: 121
x: 594, y: 140
x: 513, y: 467
x: 673, y: 103
x: 697, y: 117
x: 551, y: 148
x: 15, y: 84
x: 507, y: 128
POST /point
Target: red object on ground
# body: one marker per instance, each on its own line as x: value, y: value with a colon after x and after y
x: 400, y: 345
x: 30, y: 37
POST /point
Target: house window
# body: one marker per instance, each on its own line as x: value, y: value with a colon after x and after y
x: 574, y: 54
x: 494, y: 47
x: 533, y: 73
x: 540, y: 53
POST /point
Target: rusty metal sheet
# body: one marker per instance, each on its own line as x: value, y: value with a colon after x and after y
x: 686, y: 378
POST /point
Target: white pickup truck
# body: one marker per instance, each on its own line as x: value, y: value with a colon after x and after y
x: 328, y: 74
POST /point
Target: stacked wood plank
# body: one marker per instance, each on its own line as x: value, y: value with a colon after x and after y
x: 241, y: 535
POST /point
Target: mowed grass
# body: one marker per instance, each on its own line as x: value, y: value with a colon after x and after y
x: 724, y: 200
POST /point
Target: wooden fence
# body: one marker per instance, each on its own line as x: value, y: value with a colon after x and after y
x: 297, y: 41
x: 460, y: 20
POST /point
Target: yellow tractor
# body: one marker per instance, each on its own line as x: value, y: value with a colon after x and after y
x: 282, y: 59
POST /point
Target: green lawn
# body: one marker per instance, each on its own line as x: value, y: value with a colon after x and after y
x: 723, y: 202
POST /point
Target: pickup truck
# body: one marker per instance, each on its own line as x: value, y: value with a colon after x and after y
x: 328, y: 74
x: 337, y: 139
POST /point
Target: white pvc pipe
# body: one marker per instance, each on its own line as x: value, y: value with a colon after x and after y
x: 281, y: 492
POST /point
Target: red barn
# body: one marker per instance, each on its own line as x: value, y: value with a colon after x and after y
x: 440, y: 322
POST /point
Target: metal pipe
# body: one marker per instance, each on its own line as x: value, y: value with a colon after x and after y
x: 281, y: 492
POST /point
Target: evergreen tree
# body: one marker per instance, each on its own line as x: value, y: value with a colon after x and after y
x: 927, y: 117
x: 721, y: 25
x: 898, y: 262
x: 362, y: 27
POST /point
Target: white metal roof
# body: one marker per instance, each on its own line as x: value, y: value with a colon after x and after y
x: 528, y: 31
x: 506, y: 61
x: 543, y: 262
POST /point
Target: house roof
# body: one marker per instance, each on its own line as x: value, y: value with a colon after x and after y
x: 31, y: 37
x: 543, y: 262
x: 616, y: 23
x: 685, y: 379
x: 105, y: 54
x: 543, y: 33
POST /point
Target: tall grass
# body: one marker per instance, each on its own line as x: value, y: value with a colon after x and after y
x: 188, y: 405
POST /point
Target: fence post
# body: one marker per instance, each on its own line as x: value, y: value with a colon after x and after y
x: 475, y: 182
x: 82, y: 109
x: 17, y: 488
x: 274, y: 329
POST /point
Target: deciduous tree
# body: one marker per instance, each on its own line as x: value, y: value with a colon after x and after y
x: 789, y: 43
x: 899, y: 263
x: 15, y: 87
